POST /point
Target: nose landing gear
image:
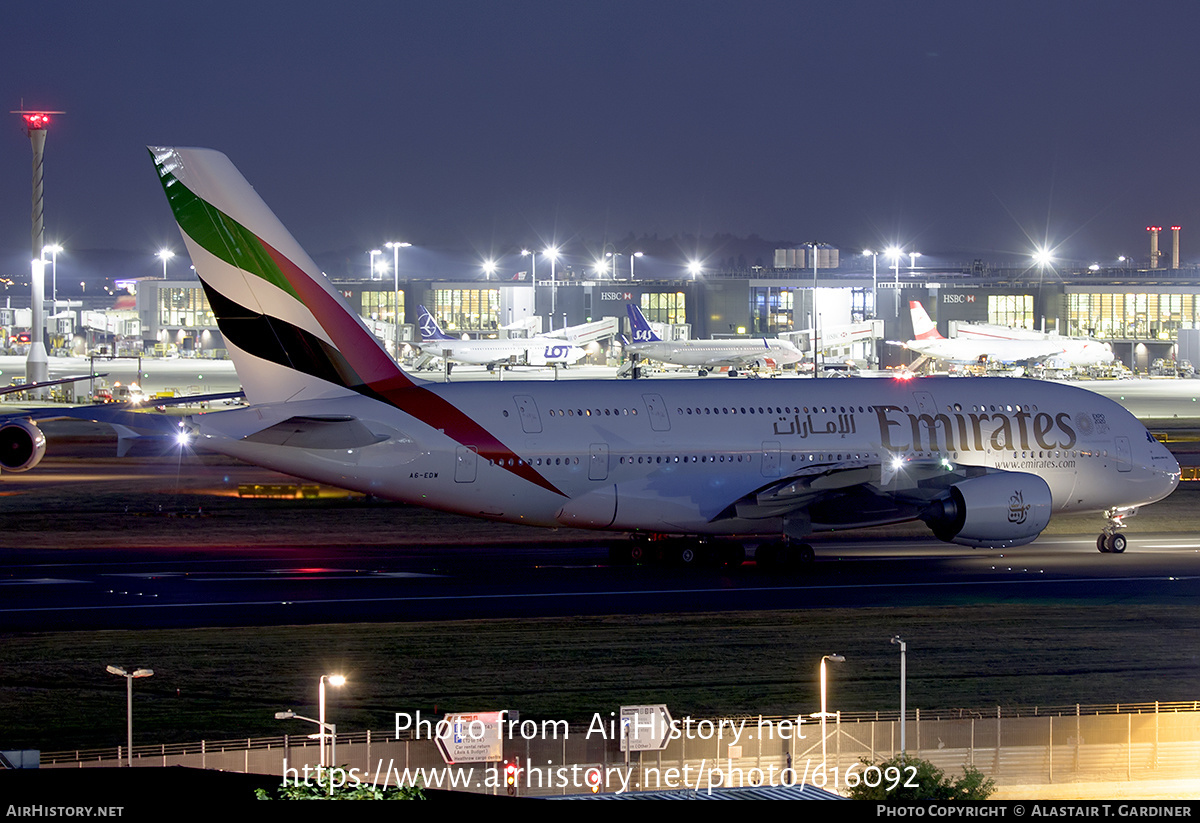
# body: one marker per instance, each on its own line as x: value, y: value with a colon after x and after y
x: 1111, y: 541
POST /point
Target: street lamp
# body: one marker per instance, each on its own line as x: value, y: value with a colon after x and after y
x: 395, y: 247
x: 694, y: 268
x: 894, y: 253
x: 832, y: 658
x: 53, y: 251
x: 896, y: 641
x: 631, y: 257
x: 552, y: 253
x: 129, y: 676
x: 1043, y: 258
x: 164, y: 255
x: 334, y: 680
x: 489, y: 268
x: 371, y: 265
x: 614, y: 255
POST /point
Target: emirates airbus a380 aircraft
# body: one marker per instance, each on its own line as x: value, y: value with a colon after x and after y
x: 692, y: 467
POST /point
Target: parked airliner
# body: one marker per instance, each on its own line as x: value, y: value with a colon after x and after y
x: 976, y: 347
x: 734, y: 353
x: 531, y: 351
x: 690, y: 467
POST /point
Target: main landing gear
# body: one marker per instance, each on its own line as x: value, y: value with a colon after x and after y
x: 686, y: 552
x: 1111, y: 541
x: 784, y: 554
x: 689, y: 552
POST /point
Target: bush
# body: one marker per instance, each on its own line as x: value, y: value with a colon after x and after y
x: 908, y: 779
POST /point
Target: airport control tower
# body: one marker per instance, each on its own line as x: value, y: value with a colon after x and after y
x: 37, y: 366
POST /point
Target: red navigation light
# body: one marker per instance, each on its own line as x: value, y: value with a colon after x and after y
x: 36, y: 120
x: 1175, y: 228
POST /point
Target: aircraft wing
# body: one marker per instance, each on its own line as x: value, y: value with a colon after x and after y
x: 968, y: 505
x: 120, y: 413
x: 12, y: 389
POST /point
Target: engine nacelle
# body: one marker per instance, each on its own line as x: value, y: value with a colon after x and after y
x: 22, y: 446
x: 992, y: 511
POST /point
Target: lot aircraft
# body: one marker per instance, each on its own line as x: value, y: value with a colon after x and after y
x: 530, y: 351
x: 691, y: 468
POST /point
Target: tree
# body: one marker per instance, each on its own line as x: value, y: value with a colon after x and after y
x: 315, y: 790
x: 909, y: 779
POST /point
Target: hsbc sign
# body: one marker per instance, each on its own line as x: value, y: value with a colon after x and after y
x: 616, y: 295
x: 958, y: 298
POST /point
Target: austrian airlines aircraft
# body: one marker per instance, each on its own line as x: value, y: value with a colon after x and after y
x: 972, y: 347
x: 706, y: 354
x: 532, y: 351
x: 984, y: 462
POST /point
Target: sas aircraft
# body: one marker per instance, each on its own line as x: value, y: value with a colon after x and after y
x: 706, y: 354
x: 690, y: 468
x: 532, y: 351
x: 984, y: 346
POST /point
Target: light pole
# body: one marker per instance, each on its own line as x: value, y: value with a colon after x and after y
x: 894, y: 253
x: 631, y: 257
x: 334, y: 680
x: 874, y: 299
x: 832, y: 658
x: 694, y: 268
x: 614, y: 255
x: 53, y: 251
x: 395, y: 247
x: 371, y: 264
x: 896, y: 641
x: 552, y: 253
x: 129, y: 676
x: 874, y: 255
x: 164, y: 255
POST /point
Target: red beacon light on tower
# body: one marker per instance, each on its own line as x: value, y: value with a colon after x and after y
x: 36, y: 120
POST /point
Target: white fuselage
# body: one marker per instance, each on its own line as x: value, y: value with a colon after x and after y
x: 683, y: 457
x: 533, y: 351
x: 1075, y: 351
x: 717, y: 353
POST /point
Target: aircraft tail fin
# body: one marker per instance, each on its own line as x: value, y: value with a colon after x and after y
x: 923, y: 327
x: 430, y: 330
x: 640, y: 326
x: 289, y: 332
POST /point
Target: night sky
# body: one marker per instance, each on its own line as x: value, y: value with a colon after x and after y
x: 960, y: 129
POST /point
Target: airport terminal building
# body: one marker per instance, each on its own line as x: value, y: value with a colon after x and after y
x: 1139, y: 311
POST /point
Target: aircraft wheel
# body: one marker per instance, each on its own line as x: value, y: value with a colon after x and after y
x: 637, y: 553
x: 805, y: 556
x: 688, y: 556
x: 702, y: 372
x: 766, y: 555
x: 733, y: 372
x: 1115, y: 543
x: 1100, y: 544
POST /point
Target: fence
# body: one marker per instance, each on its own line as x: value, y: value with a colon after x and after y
x: 1026, y: 746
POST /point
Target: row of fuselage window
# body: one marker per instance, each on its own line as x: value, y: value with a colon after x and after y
x: 710, y: 410
x: 743, y: 457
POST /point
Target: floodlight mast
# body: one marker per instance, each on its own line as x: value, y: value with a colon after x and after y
x: 37, y: 368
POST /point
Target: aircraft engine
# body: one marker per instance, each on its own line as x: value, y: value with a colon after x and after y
x: 992, y: 511
x: 22, y: 446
